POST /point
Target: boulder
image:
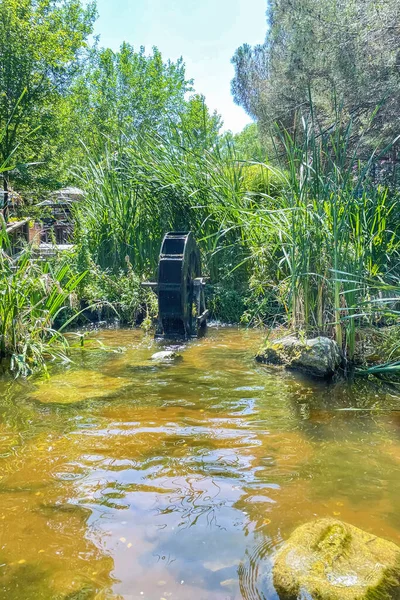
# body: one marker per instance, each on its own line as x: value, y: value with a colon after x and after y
x: 166, y: 356
x: 331, y: 560
x: 318, y: 357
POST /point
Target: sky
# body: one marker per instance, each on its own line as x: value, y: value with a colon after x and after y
x: 205, y: 33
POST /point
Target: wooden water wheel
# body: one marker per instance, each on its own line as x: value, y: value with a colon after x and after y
x: 180, y: 287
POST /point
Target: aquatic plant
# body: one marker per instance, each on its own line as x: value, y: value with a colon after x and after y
x: 117, y: 296
x: 307, y: 240
x: 137, y: 191
x: 329, y: 241
x: 33, y: 294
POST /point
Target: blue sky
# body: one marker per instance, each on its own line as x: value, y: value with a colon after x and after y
x: 205, y: 32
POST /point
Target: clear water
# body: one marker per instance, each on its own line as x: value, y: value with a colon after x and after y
x: 125, y: 479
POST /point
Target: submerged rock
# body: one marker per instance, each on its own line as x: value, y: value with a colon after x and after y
x: 166, y: 356
x: 331, y: 560
x: 318, y: 357
x: 76, y: 386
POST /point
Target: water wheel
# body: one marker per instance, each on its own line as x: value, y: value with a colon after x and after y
x: 180, y: 287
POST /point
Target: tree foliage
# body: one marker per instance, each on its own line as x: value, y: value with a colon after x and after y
x: 199, y: 128
x: 247, y: 143
x: 120, y: 93
x: 40, y: 46
x: 329, y: 52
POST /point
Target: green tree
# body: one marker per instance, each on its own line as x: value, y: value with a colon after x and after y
x: 334, y: 52
x: 247, y: 143
x: 199, y: 127
x: 121, y: 93
x: 40, y: 46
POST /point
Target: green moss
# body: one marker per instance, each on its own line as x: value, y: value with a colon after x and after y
x: 331, y: 560
x: 280, y: 353
x: 333, y: 542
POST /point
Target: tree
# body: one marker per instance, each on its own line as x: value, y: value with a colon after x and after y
x: 251, y: 78
x: 198, y: 126
x: 40, y: 46
x: 248, y: 144
x: 118, y: 94
x: 333, y: 52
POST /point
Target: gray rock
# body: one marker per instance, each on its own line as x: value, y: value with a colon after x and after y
x: 166, y: 356
x: 331, y: 560
x: 318, y: 357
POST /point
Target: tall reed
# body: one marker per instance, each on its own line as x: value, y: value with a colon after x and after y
x: 33, y: 295
x: 330, y: 233
x: 152, y: 184
x: 314, y: 240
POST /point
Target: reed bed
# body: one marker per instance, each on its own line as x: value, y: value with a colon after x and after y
x: 316, y: 242
x: 33, y: 295
x: 329, y: 245
x: 153, y: 184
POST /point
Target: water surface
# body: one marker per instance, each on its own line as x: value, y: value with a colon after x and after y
x: 125, y: 479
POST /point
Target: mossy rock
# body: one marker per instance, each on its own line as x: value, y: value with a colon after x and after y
x: 318, y: 357
x: 331, y: 560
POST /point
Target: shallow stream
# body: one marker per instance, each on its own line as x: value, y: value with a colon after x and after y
x: 125, y: 479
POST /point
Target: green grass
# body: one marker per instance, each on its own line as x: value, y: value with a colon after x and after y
x: 33, y: 295
x: 312, y: 238
x: 135, y: 193
x: 329, y: 240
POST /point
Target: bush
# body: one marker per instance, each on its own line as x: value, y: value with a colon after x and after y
x: 261, y: 179
x: 225, y: 303
x: 118, y: 295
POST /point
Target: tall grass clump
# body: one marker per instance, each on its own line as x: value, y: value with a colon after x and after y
x: 152, y: 184
x: 323, y: 247
x: 33, y: 295
x: 308, y: 240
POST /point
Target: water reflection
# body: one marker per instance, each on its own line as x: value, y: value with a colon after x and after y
x: 121, y: 478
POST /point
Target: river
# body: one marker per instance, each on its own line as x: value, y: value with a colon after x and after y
x: 125, y: 479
